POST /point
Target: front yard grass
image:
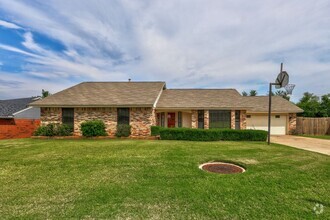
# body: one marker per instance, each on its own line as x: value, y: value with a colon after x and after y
x: 326, y: 137
x: 131, y: 179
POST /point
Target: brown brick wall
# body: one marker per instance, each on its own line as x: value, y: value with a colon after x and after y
x: 50, y: 115
x: 206, y: 119
x: 292, y: 123
x: 107, y: 115
x: 194, y: 119
x: 22, y: 128
x: 243, y: 119
x: 140, y: 118
x: 232, y: 119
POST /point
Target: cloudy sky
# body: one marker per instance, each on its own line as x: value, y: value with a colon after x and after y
x: 188, y: 43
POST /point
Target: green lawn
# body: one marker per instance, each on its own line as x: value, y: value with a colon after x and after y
x: 327, y: 137
x: 126, y: 179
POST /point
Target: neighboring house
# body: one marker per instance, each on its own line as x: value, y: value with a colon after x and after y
x: 17, y: 118
x: 143, y: 104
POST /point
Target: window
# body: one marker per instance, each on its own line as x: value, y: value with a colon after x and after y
x: 180, y: 119
x: 123, y: 116
x: 68, y: 116
x: 237, y: 119
x: 201, y: 119
x: 162, y: 119
x: 248, y: 116
x: 277, y: 116
x: 220, y: 119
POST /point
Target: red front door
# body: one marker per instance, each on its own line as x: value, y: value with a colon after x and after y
x: 171, y: 120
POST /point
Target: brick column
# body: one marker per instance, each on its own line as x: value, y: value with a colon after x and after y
x: 232, y: 119
x: 206, y: 119
x: 194, y: 119
x: 243, y: 119
x: 292, y: 123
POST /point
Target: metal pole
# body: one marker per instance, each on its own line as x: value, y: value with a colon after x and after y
x: 270, y: 105
x: 269, y: 110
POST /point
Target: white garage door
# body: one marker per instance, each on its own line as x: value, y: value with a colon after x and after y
x: 260, y: 122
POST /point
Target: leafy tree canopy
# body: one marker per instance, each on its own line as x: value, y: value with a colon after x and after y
x: 313, y: 106
x: 45, y: 93
x: 251, y: 93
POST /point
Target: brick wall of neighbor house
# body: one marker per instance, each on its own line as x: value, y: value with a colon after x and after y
x: 107, y: 115
x: 206, y: 119
x: 50, y: 115
x: 232, y: 119
x: 22, y: 128
x: 194, y: 119
x: 7, y: 121
x: 140, y: 120
x: 243, y: 119
x: 292, y: 123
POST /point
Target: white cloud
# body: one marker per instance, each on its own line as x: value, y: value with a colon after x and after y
x: 7, y: 24
x: 187, y: 43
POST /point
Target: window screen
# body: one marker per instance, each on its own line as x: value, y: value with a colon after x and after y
x: 219, y: 119
x: 201, y: 119
x: 123, y: 116
x: 68, y: 117
x: 180, y: 119
x: 162, y: 119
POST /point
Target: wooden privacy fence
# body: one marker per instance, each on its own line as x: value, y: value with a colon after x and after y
x: 313, y: 126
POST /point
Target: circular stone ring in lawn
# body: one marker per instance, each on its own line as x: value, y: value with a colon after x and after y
x: 222, y: 168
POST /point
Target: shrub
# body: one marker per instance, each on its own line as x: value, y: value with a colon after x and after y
x: 64, y: 130
x: 93, y: 128
x: 123, y: 130
x: 54, y: 129
x: 155, y: 130
x: 212, y: 134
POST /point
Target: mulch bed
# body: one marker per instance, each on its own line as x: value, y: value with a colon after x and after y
x: 223, y: 168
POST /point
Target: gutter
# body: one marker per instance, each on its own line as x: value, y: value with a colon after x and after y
x: 93, y: 106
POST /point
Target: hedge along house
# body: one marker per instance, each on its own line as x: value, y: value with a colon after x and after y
x: 144, y: 104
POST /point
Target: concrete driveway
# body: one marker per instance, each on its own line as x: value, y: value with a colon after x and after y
x: 310, y: 144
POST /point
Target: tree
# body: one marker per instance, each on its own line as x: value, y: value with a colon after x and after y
x: 253, y: 92
x: 45, y: 93
x: 310, y: 104
x: 325, y: 105
x: 283, y: 94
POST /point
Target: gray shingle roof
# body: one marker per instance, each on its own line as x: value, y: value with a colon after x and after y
x: 99, y: 94
x: 222, y: 99
x: 11, y: 106
x: 279, y: 104
x: 202, y: 99
x: 145, y: 94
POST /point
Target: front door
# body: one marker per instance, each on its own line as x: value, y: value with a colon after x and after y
x: 171, y: 120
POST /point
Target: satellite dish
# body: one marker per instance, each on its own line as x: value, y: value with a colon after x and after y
x: 282, y: 80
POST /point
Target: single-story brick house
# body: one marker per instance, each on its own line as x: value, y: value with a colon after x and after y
x: 143, y: 104
x: 17, y: 119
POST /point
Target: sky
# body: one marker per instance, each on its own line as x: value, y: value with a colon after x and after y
x: 240, y: 44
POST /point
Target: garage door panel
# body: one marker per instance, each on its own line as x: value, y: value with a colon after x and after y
x: 260, y: 122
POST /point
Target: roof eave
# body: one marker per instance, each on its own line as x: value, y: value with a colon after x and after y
x: 204, y: 108
x: 92, y: 106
